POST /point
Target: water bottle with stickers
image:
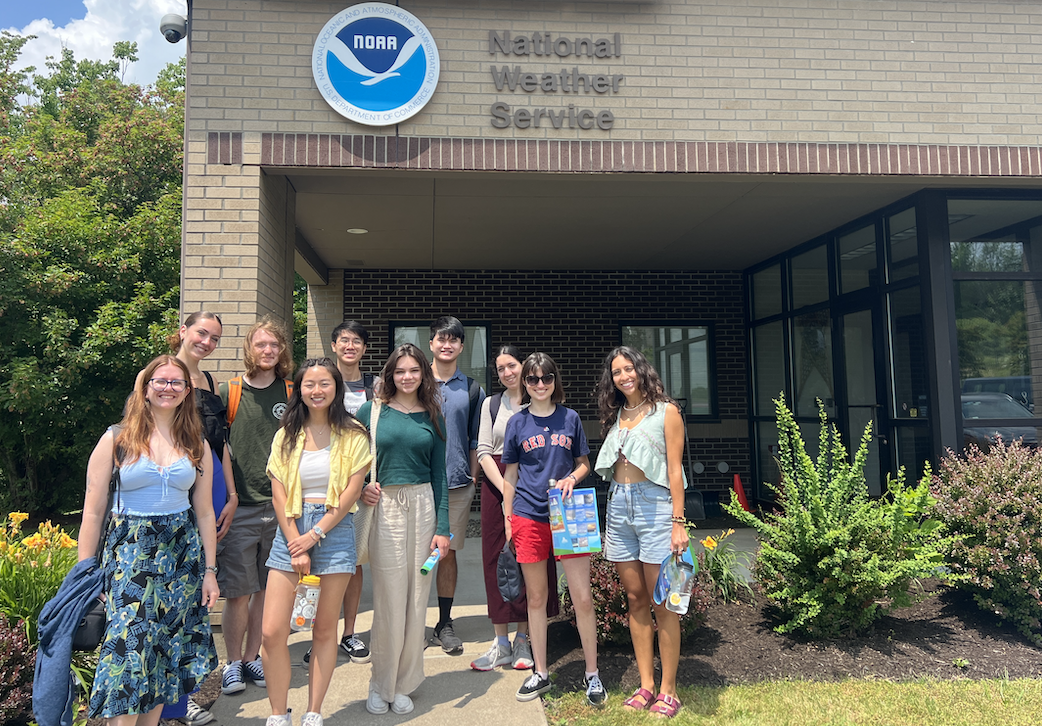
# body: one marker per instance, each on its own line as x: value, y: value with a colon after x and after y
x: 305, y: 603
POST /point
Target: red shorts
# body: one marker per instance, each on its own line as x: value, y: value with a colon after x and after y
x: 533, y: 541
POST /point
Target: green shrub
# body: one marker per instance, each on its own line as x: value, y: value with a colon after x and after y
x: 833, y: 560
x: 17, y: 664
x: 612, y: 608
x: 992, y: 502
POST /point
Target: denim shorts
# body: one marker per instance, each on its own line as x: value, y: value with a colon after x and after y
x: 331, y: 556
x: 638, y: 525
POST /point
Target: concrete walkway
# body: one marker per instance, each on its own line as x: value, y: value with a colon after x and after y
x: 453, y: 693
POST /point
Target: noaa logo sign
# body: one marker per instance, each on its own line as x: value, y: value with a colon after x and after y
x: 376, y: 64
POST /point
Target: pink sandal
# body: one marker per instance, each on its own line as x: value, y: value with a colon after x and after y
x: 633, y: 703
x: 666, y: 706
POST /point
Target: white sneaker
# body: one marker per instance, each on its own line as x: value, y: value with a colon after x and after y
x: 402, y: 704
x: 498, y: 655
x: 311, y: 718
x: 374, y: 704
x: 285, y: 719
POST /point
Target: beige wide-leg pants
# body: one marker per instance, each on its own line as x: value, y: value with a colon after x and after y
x: 400, y: 540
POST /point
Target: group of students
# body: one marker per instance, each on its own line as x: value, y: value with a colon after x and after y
x: 243, y: 489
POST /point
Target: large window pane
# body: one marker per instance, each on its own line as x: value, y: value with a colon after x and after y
x: 812, y: 349
x: 473, y: 361
x: 857, y: 259
x: 681, y: 354
x: 913, y: 450
x: 769, y: 367
x: 908, y: 348
x: 904, y: 245
x: 767, y: 292
x: 989, y: 235
x: 810, y: 277
x: 767, y: 458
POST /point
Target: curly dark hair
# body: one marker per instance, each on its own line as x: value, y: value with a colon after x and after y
x: 428, y: 393
x: 609, y: 398
x: 297, y: 412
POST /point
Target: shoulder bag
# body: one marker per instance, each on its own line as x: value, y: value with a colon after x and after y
x: 363, y: 516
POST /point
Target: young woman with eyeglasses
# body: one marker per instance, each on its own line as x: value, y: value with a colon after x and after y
x: 319, y: 459
x: 642, y: 455
x: 546, y: 442
x: 159, y: 557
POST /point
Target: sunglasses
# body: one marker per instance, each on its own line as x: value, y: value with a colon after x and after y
x: 546, y: 378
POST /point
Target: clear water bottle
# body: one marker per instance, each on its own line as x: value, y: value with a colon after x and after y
x: 679, y: 598
x: 305, y: 603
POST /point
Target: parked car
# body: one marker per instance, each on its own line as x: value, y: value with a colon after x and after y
x: 1016, y: 387
x: 994, y: 405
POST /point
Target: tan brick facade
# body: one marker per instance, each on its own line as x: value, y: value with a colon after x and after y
x: 804, y: 81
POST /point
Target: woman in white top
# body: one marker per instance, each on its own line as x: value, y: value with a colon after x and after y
x: 495, y: 412
x: 319, y: 459
x: 641, y: 455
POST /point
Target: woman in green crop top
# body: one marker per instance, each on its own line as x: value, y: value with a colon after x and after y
x: 410, y: 493
x: 642, y: 456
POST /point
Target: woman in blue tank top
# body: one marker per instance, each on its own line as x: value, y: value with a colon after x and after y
x: 641, y: 456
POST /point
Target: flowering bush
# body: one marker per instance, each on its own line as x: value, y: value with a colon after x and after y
x: 720, y: 562
x: 993, y: 502
x: 17, y: 663
x: 834, y: 560
x: 612, y: 608
x: 31, y: 569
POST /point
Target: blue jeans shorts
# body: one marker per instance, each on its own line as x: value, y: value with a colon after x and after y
x: 638, y: 525
x: 331, y: 556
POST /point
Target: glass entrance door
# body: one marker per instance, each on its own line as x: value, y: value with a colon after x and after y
x: 861, y: 401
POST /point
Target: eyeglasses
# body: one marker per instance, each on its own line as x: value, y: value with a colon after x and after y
x: 161, y: 384
x: 546, y: 378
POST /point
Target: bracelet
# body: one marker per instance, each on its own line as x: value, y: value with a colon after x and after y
x: 678, y: 520
x: 233, y: 494
x: 317, y: 531
x: 212, y: 568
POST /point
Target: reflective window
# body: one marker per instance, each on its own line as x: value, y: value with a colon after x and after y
x: 768, y: 359
x: 767, y: 292
x: 913, y: 450
x: 812, y: 354
x: 908, y: 354
x: 810, y: 277
x: 857, y: 259
x: 473, y: 361
x: 681, y: 354
x: 904, y: 245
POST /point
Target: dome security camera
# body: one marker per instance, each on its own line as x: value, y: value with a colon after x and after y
x: 173, y: 27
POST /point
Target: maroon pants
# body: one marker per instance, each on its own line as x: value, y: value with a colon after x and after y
x: 493, y: 537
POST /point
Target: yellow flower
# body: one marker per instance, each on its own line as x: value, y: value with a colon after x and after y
x: 709, y: 543
x: 34, y: 541
x: 66, y: 542
x: 18, y: 517
x: 729, y: 533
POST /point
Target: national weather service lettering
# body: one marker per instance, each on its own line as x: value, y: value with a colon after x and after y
x: 376, y: 64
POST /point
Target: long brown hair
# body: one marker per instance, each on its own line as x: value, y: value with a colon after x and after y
x: 428, y: 393
x: 297, y: 413
x: 269, y: 324
x: 609, y: 398
x: 138, y: 423
x: 175, y: 341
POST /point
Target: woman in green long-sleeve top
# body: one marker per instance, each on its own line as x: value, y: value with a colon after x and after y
x: 410, y: 493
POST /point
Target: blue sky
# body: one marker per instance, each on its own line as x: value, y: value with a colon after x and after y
x: 91, y: 27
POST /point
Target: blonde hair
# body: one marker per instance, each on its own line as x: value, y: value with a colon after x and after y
x: 269, y: 324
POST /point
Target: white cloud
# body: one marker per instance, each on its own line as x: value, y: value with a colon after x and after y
x: 106, y: 23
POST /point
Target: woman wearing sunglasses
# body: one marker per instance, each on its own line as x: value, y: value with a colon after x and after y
x: 641, y: 455
x: 543, y: 443
x: 160, y: 550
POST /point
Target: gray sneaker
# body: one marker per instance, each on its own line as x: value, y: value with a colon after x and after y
x: 522, y: 655
x: 446, y: 638
x: 498, y: 655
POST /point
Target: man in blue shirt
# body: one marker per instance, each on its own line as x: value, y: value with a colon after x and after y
x: 461, y: 398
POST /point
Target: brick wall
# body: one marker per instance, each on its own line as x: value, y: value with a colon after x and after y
x: 865, y: 71
x: 587, y: 309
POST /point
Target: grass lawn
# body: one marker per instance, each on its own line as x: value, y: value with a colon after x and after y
x: 796, y: 703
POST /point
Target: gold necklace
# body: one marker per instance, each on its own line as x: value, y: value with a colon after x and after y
x: 408, y: 409
x: 634, y: 408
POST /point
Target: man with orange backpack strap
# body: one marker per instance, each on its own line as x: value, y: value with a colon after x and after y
x: 256, y: 401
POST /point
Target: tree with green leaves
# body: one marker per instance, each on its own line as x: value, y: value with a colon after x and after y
x: 90, y: 233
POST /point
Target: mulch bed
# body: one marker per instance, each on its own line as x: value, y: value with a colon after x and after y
x: 945, y: 637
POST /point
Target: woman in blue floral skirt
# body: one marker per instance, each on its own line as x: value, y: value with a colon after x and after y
x: 159, y: 551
